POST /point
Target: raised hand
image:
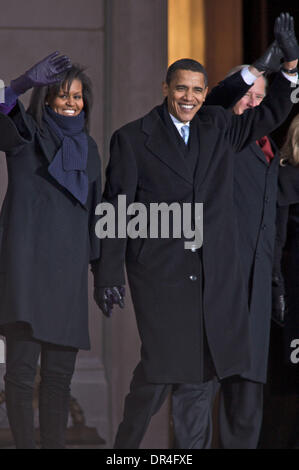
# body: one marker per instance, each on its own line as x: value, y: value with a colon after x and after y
x: 270, y: 60
x: 46, y: 72
x: 285, y: 35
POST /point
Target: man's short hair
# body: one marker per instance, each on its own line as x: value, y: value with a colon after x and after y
x: 186, y: 64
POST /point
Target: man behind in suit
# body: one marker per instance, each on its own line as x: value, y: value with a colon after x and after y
x: 185, y: 299
x: 255, y: 194
x: 255, y: 190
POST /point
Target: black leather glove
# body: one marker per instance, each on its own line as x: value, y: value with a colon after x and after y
x: 285, y: 35
x: 106, y: 297
x: 270, y: 60
x: 279, y: 303
x: 45, y: 72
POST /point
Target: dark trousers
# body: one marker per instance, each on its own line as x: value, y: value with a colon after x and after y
x: 57, y: 367
x: 240, y: 413
x: 191, y: 412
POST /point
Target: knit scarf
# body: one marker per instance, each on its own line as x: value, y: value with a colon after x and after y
x: 68, y: 166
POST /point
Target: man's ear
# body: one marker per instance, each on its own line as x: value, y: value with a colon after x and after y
x: 206, y: 92
x: 165, y: 89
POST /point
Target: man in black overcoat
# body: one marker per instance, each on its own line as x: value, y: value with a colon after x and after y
x: 255, y: 191
x: 255, y: 195
x: 185, y: 299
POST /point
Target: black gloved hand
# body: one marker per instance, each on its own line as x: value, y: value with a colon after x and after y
x: 106, y: 297
x: 270, y: 60
x: 45, y: 72
x: 279, y: 301
x: 285, y: 35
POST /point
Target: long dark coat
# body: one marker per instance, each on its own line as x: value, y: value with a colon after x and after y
x: 286, y: 261
x: 146, y: 166
x: 255, y: 191
x: 47, y: 237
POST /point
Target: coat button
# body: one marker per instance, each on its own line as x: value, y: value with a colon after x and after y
x: 264, y: 226
x: 193, y: 248
x: 267, y: 199
x: 193, y: 278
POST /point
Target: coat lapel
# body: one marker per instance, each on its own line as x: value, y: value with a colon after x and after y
x: 162, y: 145
x: 256, y: 149
x: 49, y: 143
x: 159, y: 142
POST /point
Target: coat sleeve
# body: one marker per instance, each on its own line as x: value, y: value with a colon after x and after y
x: 260, y: 121
x: 228, y: 92
x: 121, y: 180
x: 96, y: 197
x: 16, y: 129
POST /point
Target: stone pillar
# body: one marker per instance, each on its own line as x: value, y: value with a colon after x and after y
x: 224, y: 37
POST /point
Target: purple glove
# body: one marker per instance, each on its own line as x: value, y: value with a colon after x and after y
x: 45, y: 72
x: 10, y: 101
x: 285, y: 36
x: 106, y: 297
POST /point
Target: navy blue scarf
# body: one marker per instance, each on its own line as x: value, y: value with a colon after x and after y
x: 69, y: 164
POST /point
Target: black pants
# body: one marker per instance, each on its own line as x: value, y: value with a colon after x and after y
x: 240, y: 413
x: 191, y: 412
x: 57, y: 367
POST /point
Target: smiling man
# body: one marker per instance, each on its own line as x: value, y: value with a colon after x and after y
x: 185, y: 299
x: 186, y: 91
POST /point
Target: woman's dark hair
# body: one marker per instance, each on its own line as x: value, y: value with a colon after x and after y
x: 186, y: 64
x: 40, y: 95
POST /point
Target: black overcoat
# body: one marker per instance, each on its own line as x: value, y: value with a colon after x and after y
x: 286, y: 263
x: 47, y: 237
x: 255, y: 193
x: 146, y: 166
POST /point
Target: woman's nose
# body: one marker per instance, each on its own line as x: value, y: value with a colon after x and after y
x: 70, y: 101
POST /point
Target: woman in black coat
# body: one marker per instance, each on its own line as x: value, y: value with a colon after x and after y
x: 284, y: 365
x: 286, y: 260
x: 47, y: 240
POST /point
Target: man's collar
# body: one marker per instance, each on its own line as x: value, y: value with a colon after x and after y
x: 179, y: 123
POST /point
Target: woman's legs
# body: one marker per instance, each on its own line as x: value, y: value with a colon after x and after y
x: 57, y: 368
x: 21, y: 363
